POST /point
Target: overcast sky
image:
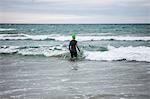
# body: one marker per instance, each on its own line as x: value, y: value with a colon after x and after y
x: 74, y: 11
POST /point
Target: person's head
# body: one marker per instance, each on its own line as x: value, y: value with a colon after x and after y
x: 73, y: 36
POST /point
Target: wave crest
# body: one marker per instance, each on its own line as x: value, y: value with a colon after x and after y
x: 67, y: 37
x: 122, y: 53
x: 7, y: 29
x: 130, y: 53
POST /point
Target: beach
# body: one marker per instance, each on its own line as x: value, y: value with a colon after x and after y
x: 33, y: 77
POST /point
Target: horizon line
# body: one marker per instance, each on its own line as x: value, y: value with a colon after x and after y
x: 77, y: 23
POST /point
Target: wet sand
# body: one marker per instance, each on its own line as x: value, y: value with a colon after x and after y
x: 37, y: 77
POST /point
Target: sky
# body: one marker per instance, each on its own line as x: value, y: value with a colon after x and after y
x: 74, y: 11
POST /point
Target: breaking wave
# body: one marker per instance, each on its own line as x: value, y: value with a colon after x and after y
x: 7, y: 29
x: 130, y: 53
x: 67, y: 37
x: 33, y: 50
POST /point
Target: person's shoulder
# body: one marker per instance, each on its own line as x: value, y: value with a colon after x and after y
x: 74, y: 40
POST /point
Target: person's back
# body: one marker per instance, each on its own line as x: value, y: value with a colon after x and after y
x: 73, y: 47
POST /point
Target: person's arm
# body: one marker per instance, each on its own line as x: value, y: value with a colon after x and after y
x: 77, y: 47
x: 69, y: 47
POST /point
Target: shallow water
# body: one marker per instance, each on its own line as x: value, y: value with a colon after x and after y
x: 34, y: 77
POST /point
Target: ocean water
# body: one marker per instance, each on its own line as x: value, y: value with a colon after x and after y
x: 100, y: 42
x: 114, y: 62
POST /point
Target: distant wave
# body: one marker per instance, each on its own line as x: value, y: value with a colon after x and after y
x: 130, y: 53
x: 7, y: 29
x: 67, y: 37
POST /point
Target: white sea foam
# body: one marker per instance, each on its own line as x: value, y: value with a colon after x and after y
x: 67, y: 37
x: 41, y: 50
x: 130, y: 53
x: 120, y: 38
x: 7, y: 29
x: 89, y: 38
x: 13, y: 36
x: 9, y: 49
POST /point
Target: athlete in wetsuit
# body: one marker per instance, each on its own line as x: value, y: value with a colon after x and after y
x: 73, y: 47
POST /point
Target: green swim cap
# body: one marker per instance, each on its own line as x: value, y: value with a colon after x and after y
x: 74, y: 36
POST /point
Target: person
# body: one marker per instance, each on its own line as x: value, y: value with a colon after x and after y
x: 73, y: 47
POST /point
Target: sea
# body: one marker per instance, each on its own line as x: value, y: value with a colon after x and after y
x: 100, y: 42
x: 114, y: 61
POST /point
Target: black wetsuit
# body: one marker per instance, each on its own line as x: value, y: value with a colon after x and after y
x: 73, y: 48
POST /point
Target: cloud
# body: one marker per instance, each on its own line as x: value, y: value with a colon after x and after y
x: 60, y: 18
x: 81, y: 10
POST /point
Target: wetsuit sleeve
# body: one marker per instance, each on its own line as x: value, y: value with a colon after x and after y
x: 69, y: 46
